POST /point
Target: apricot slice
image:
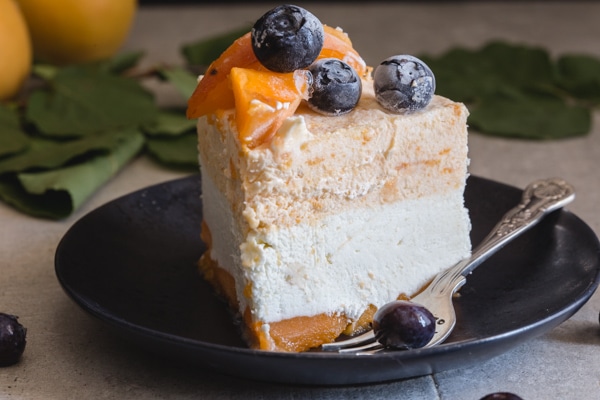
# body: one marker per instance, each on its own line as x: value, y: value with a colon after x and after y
x: 338, y: 45
x: 213, y: 92
x: 263, y: 100
x: 300, y: 333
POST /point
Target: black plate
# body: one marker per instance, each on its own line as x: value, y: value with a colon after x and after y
x: 132, y: 264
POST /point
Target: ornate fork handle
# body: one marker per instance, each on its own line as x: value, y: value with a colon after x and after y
x: 539, y: 199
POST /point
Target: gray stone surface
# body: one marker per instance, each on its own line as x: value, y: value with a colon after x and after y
x: 69, y: 355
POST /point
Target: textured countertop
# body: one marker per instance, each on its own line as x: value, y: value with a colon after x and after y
x: 70, y: 355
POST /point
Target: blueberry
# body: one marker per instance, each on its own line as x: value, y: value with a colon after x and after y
x: 335, y: 87
x: 403, y: 84
x: 12, y: 339
x: 287, y: 38
x: 403, y: 325
x: 501, y: 396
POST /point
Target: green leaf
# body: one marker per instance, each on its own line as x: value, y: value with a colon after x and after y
x: 12, y: 138
x: 511, y: 90
x: 203, y: 52
x: 520, y: 65
x: 468, y: 75
x: 184, y: 81
x: 82, y: 101
x: 45, y: 71
x: 46, y: 154
x: 530, y: 116
x: 179, y: 152
x: 580, y: 76
x: 57, y: 193
x: 169, y: 122
x: 121, y: 62
x: 53, y: 204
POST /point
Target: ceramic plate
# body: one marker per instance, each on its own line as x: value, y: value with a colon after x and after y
x: 132, y: 264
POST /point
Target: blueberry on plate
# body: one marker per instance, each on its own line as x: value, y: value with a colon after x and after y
x: 287, y: 38
x: 501, y: 396
x: 403, y: 84
x: 335, y: 87
x: 403, y: 325
x: 12, y: 339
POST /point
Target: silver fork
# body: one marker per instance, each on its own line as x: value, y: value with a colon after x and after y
x: 539, y: 199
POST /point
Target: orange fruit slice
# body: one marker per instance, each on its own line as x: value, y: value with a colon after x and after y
x: 263, y: 100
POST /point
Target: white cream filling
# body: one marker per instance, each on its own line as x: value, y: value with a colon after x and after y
x: 340, y: 263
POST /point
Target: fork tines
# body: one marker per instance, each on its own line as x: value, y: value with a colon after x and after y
x: 364, y: 343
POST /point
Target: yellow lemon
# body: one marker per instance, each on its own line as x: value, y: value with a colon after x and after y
x: 15, y: 49
x: 75, y: 31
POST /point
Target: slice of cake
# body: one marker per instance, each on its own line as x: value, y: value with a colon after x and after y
x: 315, y: 221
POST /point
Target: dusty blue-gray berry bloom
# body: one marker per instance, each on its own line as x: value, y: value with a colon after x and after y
x: 403, y: 84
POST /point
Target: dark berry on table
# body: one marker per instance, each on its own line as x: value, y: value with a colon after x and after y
x: 287, y: 38
x: 403, y: 84
x: 501, y: 396
x: 403, y: 325
x: 12, y: 339
x: 335, y: 87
